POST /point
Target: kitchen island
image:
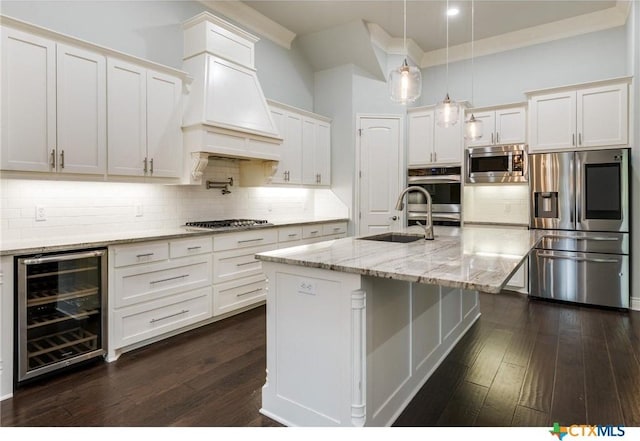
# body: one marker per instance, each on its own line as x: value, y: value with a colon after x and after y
x: 355, y: 327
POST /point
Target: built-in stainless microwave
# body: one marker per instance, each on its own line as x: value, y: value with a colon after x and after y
x: 501, y: 164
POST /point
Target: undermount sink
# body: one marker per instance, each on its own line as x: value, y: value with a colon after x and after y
x: 394, y: 237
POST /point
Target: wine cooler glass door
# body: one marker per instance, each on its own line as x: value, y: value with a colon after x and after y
x: 61, y: 299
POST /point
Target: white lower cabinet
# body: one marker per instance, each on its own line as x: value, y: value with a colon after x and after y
x: 236, y: 294
x: 157, y: 287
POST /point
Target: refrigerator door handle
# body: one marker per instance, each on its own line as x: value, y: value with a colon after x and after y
x: 577, y: 259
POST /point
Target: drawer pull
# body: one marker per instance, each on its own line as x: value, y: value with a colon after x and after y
x: 144, y: 255
x: 193, y: 248
x: 293, y: 234
x: 336, y: 229
x: 184, y: 311
x: 245, y: 284
x: 246, y: 263
x: 314, y: 232
x: 251, y: 240
x: 248, y: 292
x: 168, y: 279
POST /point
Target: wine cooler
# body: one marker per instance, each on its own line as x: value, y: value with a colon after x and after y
x: 61, y: 304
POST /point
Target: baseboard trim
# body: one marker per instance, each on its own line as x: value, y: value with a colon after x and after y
x: 635, y: 303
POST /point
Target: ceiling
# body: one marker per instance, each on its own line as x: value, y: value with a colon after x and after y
x: 426, y: 19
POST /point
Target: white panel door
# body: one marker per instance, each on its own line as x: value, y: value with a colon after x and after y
x: 552, y: 121
x: 82, y: 111
x: 511, y: 126
x: 380, y: 163
x: 488, y: 128
x: 602, y: 116
x: 126, y: 118
x: 420, y: 146
x: 323, y: 153
x: 448, y: 143
x: 164, y: 117
x: 309, y: 128
x: 28, y: 101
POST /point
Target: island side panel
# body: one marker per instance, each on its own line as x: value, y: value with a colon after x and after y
x: 314, y: 374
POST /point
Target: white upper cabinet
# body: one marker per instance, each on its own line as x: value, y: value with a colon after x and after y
x: 289, y: 167
x: 579, y: 117
x: 429, y: 144
x: 500, y: 125
x: 81, y: 111
x: 322, y: 157
x: 28, y: 101
x: 316, y: 146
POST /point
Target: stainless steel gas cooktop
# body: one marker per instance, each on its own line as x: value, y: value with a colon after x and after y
x: 228, y: 223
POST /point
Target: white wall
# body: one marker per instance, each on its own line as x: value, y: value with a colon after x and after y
x: 153, y: 30
x: 634, y: 68
x: 504, y: 77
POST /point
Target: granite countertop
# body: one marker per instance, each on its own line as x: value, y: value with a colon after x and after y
x: 478, y: 258
x: 82, y: 241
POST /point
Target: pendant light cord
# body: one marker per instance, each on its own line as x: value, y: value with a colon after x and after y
x: 404, y: 35
x: 472, y: 49
x: 447, y: 79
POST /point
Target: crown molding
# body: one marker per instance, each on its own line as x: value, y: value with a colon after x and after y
x: 394, y: 46
x: 570, y: 27
x: 253, y: 20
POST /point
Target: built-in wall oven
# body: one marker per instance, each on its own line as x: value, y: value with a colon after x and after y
x: 582, y: 200
x: 443, y: 184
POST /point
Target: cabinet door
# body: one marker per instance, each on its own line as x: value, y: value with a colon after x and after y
x: 511, y: 126
x: 126, y: 118
x: 488, y: 128
x: 309, y: 174
x: 82, y: 111
x: 323, y: 153
x: 28, y: 101
x: 602, y: 116
x: 164, y: 133
x: 289, y: 169
x: 420, y: 138
x: 448, y: 144
x: 552, y: 121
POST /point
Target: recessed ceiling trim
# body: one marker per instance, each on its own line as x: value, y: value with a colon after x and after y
x: 570, y: 27
x: 252, y: 19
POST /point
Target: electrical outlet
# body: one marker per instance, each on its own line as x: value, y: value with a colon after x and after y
x: 41, y: 213
x: 139, y: 210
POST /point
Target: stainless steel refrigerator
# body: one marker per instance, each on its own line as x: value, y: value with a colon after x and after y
x: 582, y: 198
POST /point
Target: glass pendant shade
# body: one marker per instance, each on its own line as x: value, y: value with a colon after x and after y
x: 447, y: 112
x: 473, y: 129
x: 405, y: 83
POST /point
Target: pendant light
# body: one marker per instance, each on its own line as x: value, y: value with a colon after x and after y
x: 405, y: 82
x: 473, y: 127
x: 447, y: 111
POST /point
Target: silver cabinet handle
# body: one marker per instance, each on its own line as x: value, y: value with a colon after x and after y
x: 491, y: 137
x: 151, y: 166
x: 53, y: 158
x: 431, y: 157
x: 497, y: 138
x: 62, y: 159
x: 577, y: 259
x: 63, y: 257
x: 193, y: 248
x: 314, y: 232
x: 292, y: 234
x: 144, y: 255
x: 573, y: 139
x: 248, y: 292
x: 247, y: 263
x: 338, y: 228
x: 244, y: 284
x: 145, y: 165
x: 435, y: 156
x: 251, y: 240
x: 393, y: 218
x: 184, y: 311
x: 579, y: 138
x: 169, y: 279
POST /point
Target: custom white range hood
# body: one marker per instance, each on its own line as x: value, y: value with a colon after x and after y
x: 225, y: 114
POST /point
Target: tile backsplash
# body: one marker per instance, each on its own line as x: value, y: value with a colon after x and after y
x: 81, y: 207
x: 495, y: 203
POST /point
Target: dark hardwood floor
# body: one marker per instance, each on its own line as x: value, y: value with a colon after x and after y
x: 524, y: 363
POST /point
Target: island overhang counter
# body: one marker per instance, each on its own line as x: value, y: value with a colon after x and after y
x: 355, y: 327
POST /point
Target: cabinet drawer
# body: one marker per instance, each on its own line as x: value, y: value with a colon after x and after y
x: 141, y: 253
x: 190, y: 247
x: 142, y: 283
x: 334, y: 228
x: 230, y: 296
x: 288, y: 234
x: 151, y: 319
x: 311, y: 231
x: 244, y: 239
x: 229, y: 265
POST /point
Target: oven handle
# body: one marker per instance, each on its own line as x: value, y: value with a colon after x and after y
x: 62, y: 257
x: 577, y: 259
x: 444, y: 179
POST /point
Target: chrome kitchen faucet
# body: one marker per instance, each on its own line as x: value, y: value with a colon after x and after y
x: 428, y: 227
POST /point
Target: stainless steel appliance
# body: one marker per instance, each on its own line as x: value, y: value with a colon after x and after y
x: 61, y: 299
x: 443, y: 184
x: 583, y: 199
x: 500, y: 164
x: 227, y: 224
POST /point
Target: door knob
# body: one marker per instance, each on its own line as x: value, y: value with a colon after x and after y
x: 394, y: 217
